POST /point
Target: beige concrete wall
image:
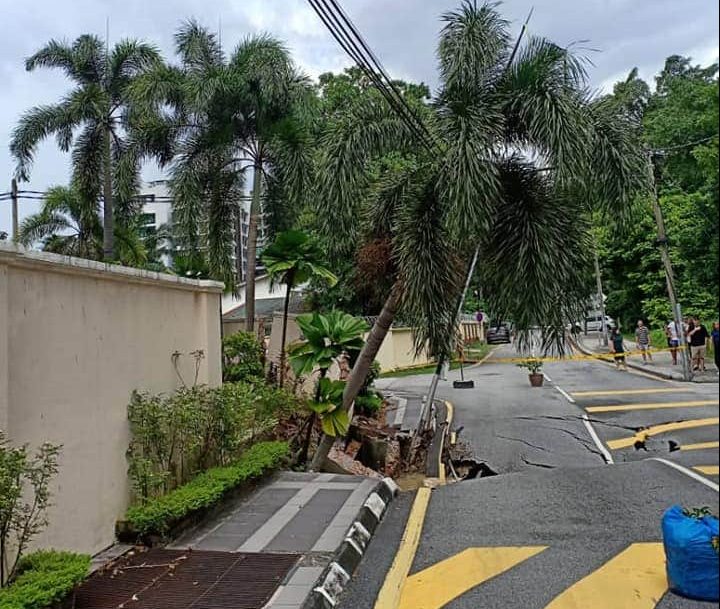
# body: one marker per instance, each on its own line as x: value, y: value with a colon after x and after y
x: 76, y: 338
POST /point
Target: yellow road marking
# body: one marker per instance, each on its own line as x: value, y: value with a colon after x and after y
x: 436, y: 586
x: 643, y: 435
x: 651, y: 406
x: 700, y: 446
x: 589, y: 394
x: 634, y: 579
x: 389, y: 596
x: 708, y: 470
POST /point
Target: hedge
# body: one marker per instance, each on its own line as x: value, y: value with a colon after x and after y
x: 44, y: 577
x: 159, y: 515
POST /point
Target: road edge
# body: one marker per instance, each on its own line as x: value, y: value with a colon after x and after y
x: 327, y: 589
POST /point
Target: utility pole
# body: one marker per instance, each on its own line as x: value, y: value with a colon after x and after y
x: 662, y: 244
x: 15, y: 224
x: 601, y: 301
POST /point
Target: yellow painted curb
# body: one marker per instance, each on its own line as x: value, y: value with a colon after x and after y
x: 708, y: 470
x: 591, y: 394
x: 651, y: 406
x: 700, y: 446
x: 390, y: 593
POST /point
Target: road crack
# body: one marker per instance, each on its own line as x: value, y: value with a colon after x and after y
x: 541, y: 465
x: 524, y: 442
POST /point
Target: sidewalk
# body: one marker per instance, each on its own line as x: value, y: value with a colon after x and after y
x: 292, y: 542
x: 661, y: 364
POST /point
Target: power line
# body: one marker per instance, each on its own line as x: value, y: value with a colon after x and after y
x: 350, y: 46
x: 681, y: 146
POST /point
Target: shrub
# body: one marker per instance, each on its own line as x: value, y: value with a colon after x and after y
x: 43, y: 578
x: 161, y: 514
x: 243, y: 357
x: 174, y: 437
x: 24, y: 499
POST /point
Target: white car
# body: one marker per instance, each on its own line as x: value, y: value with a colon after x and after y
x: 594, y: 324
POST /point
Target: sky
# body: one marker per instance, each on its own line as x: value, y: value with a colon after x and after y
x: 622, y: 33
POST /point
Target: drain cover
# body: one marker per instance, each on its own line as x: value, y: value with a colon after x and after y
x: 177, y: 579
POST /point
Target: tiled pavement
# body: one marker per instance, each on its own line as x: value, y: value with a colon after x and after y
x: 300, y: 513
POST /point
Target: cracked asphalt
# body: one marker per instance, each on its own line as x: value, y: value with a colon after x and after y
x: 555, y: 488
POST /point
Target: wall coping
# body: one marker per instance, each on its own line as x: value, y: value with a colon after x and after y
x: 17, y: 256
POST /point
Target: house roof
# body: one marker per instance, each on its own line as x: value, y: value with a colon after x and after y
x: 265, y: 307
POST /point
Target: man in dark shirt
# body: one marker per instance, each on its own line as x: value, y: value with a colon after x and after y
x: 698, y: 336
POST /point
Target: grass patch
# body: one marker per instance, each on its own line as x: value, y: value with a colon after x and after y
x: 44, y: 578
x: 158, y: 516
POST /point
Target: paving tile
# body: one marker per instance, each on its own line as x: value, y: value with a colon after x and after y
x: 302, y: 532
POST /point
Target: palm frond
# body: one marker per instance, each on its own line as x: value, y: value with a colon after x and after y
x: 87, y: 161
x: 128, y: 59
x: 473, y: 47
x: 197, y: 46
x: 34, y: 126
x: 534, y: 255
x: 37, y: 227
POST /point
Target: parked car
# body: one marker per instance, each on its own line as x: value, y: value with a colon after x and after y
x: 498, y: 334
x: 594, y: 323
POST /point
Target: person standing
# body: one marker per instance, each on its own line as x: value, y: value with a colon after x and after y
x: 642, y: 338
x: 715, y: 335
x: 617, y: 347
x: 673, y: 340
x: 698, y: 345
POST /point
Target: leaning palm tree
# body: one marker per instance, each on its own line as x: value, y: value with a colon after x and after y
x: 293, y: 259
x: 98, y: 112
x: 520, y: 150
x: 67, y: 223
x: 216, y: 119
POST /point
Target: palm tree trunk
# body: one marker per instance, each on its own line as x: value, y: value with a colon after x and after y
x: 362, y: 367
x: 284, y: 331
x: 108, y: 217
x: 252, y: 247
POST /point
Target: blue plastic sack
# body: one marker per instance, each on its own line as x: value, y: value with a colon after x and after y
x: 692, y: 562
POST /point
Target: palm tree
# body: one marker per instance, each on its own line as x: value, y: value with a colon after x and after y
x: 227, y: 117
x: 521, y: 151
x: 293, y: 259
x: 98, y: 112
x: 67, y: 224
x: 70, y: 224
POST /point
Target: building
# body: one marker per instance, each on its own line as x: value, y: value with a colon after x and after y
x: 157, y: 212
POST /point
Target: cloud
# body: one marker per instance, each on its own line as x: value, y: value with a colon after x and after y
x: 403, y: 33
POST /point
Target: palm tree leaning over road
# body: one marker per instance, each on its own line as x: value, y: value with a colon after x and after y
x: 521, y: 151
x: 227, y: 117
x: 105, y: 163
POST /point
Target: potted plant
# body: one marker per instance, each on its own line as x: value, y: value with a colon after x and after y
x: 534, y: 368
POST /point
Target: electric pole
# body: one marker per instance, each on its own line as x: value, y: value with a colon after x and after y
x: 14, y: 195
x: 662, y: 244
x: 601, y: 301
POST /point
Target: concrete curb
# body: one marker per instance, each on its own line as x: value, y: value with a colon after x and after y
x: 330, y: 585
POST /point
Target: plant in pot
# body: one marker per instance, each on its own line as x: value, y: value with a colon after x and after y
x: 534, y: 368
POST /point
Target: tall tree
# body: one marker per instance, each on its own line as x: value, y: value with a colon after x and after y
x: 519, y: 144
x: 214, y: 119
x: 679, y: 121
x: 98, y: 107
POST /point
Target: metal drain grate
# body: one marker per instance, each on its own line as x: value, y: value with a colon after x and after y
x: 176, y: 579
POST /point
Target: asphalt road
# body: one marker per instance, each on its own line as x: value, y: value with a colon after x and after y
x: 581, y: 526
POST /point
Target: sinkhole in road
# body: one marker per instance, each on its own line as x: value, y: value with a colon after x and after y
x: 470, y: 469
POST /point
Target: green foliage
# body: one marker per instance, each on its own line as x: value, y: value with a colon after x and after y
x: 160, y: 514
x: 326, y: 336
x: 24, y: 499
x: 43, y: 578
x: 328, y: 406
x: 369, y: 403
x: 531, y: 364
x: 242, y: 358
x: 680, y: 117
x: 175, y: 436
x: 293, y: 258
